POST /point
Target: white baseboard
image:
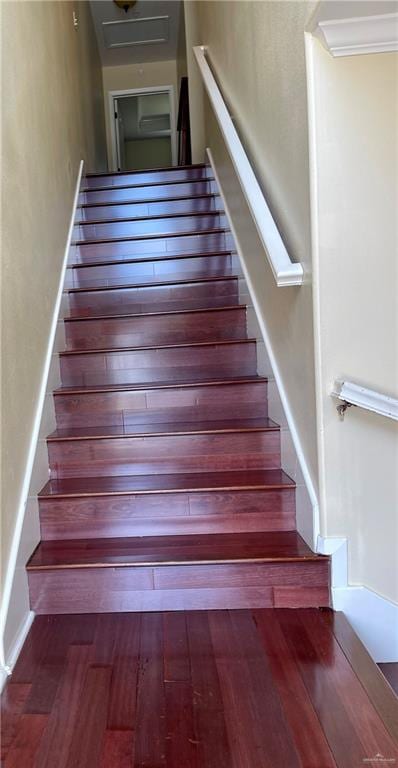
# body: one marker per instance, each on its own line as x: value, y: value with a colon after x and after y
x: 373, y: 617
x: 15, y: 647
x: 8, y: 655
x: 306, y: 475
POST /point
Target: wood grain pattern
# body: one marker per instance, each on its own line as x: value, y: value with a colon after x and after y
x: 150, y: 192
x: 212, y: 292
x: 160, y: 328
x: 163, y: 453
x: 264, y: 688
x: 204, y: 202
x: 191, y: 402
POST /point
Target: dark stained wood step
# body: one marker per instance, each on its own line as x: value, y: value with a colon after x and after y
x: 197, y: 360
x: 99, y: 174
x: 161, y: 385
x: 147, y: 193
x: 102, y: 261
x: 169, y: 283
x: 280, y: 546
x: 248, y: 480
x: 166, y: 514
x: 164, y: 452
x: 196, y: 571
x: 203, y: 244
x: 160, y: 328
x: 144, y: 178
x: 92, y: 213
x: 173, y: 231
x: 148, y: 226
x: 114, y: 222
x: 166, y: 429
x: 152, y: 297
x: 129, y: 406
x: 153, y: 313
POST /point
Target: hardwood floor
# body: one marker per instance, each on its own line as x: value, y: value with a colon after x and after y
x: 222, y: 689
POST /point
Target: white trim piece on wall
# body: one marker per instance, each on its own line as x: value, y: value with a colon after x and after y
x: 274, y: 365
x: 360, y: 35
x: 374, y: 618
x: 7, y: 663
x: 136, y: 92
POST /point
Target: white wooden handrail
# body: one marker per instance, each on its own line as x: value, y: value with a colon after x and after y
x: 353, y: 394
x: 286, y: 271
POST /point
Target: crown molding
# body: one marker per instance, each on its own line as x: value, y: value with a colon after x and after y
x: 360, y: 35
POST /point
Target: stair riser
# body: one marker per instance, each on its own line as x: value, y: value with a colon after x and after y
x: 170, y: 588
x: 153, y: 192
x: 156, y: 247
x: 166, y: 226
x: 160, y: 298
x: 174, y: 364
x: 133, y: 210
x: 146, y: 177
x: 149, y: 271
x: 167, y: 514
x: 151, y: 330
x: 163, y: 405
x: 164, y: 455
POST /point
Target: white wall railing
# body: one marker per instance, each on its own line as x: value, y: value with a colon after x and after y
x: 285, y: 271
x: 353, y: 394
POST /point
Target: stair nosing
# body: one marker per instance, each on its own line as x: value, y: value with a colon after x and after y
x: 161, y: 183
x: 151, y: 236
x: 84, y: 318
x: 153, y: 217
x: 272, y: 427
x: 167, y: 563
x: 146, y: 170
x: 68, y: 391
x: 148, y: 201
x: 279, y: 486
x: 142, y: 259
x: 121, y: 287
x: 108, y: 350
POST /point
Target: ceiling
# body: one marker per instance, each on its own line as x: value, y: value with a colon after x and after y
x: 147, y: 32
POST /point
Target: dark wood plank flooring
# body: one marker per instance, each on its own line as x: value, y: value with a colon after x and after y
x: 221, y: 689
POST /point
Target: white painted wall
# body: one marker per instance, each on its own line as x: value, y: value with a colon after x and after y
x: 354, y: 138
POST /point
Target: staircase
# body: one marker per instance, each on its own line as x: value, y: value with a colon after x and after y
x: 166, y: 488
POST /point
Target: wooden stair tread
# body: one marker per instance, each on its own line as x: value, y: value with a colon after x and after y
x: 152, y: 183
x: 166, y: 429
x: 117, y: 350
x: 159, y: 385
x: 151, y: 217
x: 156, y: 284
x: 96, y: 174
x: 149, y: 200
x: 153, y: 236
x: 271, y: 546
x: 194, y: 310
x: 101, y: 262
x: 256, y: 479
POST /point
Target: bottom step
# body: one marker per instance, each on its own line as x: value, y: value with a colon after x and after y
x: 177, y: 573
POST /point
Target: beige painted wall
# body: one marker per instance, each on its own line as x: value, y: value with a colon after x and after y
x: 356, y: 156
x: 52, y: 117
x: 147, y: 75
x: 257, y: 51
